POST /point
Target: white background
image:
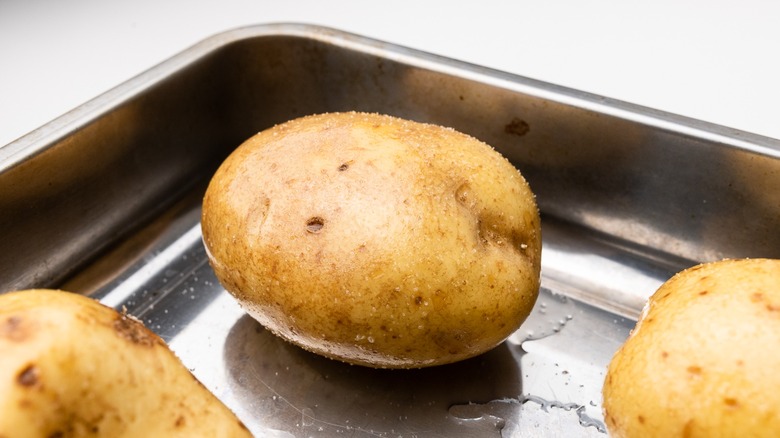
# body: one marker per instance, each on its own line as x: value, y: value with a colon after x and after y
x: 712, y: 60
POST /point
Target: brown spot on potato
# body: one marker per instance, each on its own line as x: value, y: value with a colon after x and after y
x: 343, y: 167
x: 518, y: 127
x: 772, y: 307
x: 462, y: 195
x: 13, y: 329
x: 29, y: 376
x: 418, y: 300
x: 132, y: 330
x: 641, y: 419
x: 315, y: 224
x: 704, y: 292
x: 731, y: 402
x: 180, y: 421
x: 757, y: 297
x: 487, y: 235
x: 694, y: 369
x: 688, y: 429
x: 664, y: 354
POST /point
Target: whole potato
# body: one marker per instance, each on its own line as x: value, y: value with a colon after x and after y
x: 703, y: 360
x: 72, y: 367
x: 375, y: 240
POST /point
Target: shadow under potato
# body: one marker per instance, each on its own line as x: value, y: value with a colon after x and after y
x: 288, y: 389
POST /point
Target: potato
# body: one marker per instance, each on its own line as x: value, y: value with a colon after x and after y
x: 704, y: 357
x: 375, y: 240
x: 71, y: 367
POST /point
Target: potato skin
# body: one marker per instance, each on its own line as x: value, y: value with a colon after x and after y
x: 71, y: 367
x: 704, y: 357
x: 375, y: 240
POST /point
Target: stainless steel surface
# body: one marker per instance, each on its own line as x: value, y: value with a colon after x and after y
x: 105, y: 201
x: 544, y: 381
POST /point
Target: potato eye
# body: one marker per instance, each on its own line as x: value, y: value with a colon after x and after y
x: 345, y: 165
x: 314, y: 225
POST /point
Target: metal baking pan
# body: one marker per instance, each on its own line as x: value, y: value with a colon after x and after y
x: 105, y: 201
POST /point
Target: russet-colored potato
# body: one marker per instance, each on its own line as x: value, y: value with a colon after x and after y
x: 72, y: 367
x: 375, y: 240
x: 704, y: 357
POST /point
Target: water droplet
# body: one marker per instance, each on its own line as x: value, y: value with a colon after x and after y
x: 307, y: 417
x: 535, y: 412
x: 549, y: 316
x: 588, y: 421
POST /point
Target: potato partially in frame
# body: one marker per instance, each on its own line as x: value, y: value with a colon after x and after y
x: 72, y: 367
x: 703, y: 358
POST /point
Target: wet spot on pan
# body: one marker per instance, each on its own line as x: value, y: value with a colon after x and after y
x: 518, y: 127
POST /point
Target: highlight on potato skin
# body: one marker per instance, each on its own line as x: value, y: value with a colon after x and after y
x: 72, y: 367
x: 704, y: 357
x: 375, y: 240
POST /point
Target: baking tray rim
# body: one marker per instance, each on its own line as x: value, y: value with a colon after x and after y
x: 40, y: 138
